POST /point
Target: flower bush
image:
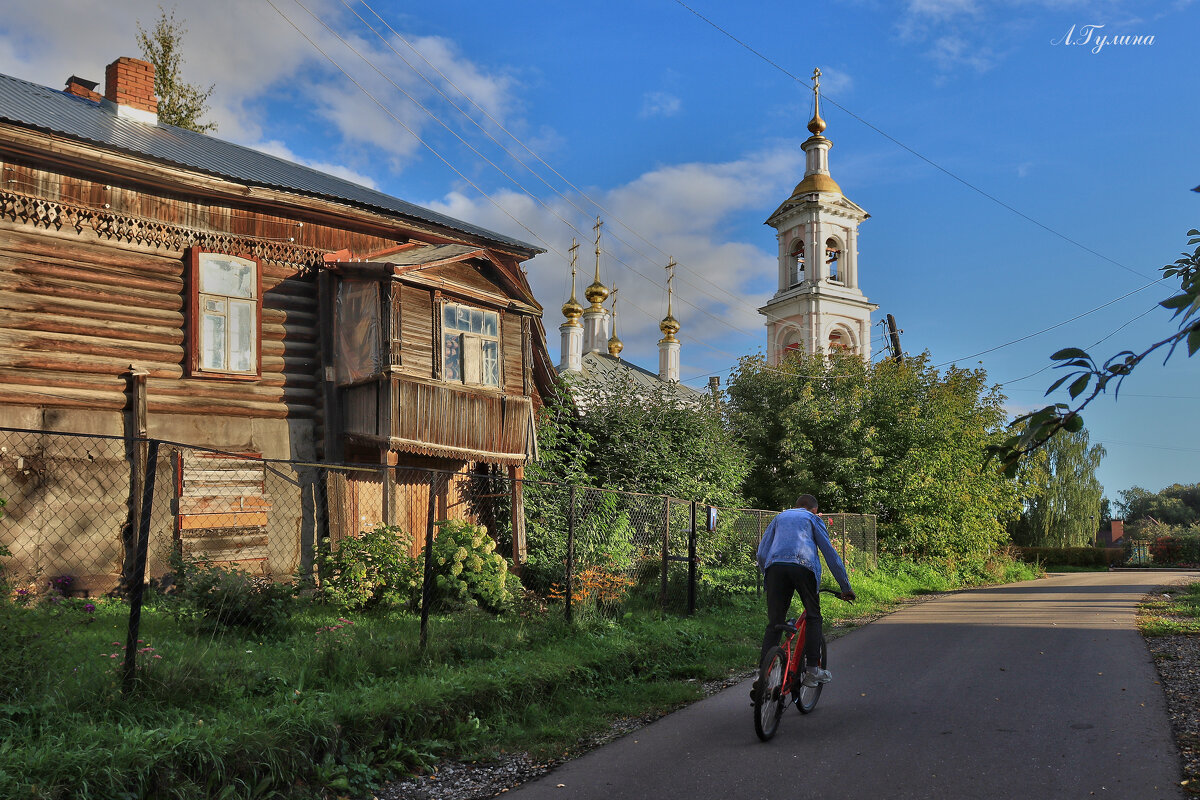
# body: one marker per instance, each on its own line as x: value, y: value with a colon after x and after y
x: 467, y: 570
x: 375, y: 568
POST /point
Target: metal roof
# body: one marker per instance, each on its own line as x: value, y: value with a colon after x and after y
x: 601, y: 371
x: 40, y: 107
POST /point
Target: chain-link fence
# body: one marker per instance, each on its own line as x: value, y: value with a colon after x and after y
x: 228, y: 539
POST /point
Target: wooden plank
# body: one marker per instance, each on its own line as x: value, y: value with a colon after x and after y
x: 197, y: 548
x: 222, y: 476
x: 248, y: 519
x: 223, y: 505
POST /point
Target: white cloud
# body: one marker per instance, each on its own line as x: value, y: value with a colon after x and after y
x: 660, y: 104
x: 685, y: 211
x: 254, y: 57
x: 277, y: 148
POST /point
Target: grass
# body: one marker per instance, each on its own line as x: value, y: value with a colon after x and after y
x: 340, y: 704
x: 1172, y: 612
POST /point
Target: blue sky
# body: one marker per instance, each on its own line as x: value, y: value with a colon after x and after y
x: 688, y: 141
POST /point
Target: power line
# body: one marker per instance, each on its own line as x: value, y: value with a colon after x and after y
x: 913, y: 152
x: 1101, y: 340
x: 1050, y: 328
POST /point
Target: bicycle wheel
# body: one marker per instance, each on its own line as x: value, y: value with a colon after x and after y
x: 768, y: 705
x: 807, y: 698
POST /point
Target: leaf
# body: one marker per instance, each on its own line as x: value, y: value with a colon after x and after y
x: 1073, y: 423
x: 1069, y: 352
x: 1059, y: 383
x: 1176, y: 302
x: 1194, y: 341
x: 1078, y: 387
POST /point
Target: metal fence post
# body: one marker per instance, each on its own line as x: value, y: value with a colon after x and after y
x: 843, y: 516
x: 427, y: 578
x: 692, y: 563
x: 137, y: 587
x: 570, y: 552
x: 666, y: 550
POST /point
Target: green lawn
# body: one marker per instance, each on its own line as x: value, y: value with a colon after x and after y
x: 346, y: 702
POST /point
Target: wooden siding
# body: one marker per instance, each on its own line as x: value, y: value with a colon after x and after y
x: 512, y: 353
x: 416, y: 332
x: 78, y: 313
x: 434, y: 419
x: 92, y: 280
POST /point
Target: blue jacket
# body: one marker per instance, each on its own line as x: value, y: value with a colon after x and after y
x: 793, y: 537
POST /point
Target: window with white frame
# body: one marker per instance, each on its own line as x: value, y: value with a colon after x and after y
x: 470, y: 345
x: 226, y: 318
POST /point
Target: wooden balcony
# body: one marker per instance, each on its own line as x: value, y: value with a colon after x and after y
x: 441, y: 420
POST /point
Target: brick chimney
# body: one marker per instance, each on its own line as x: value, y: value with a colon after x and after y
x: 129, y: 89
x: 82, y: 88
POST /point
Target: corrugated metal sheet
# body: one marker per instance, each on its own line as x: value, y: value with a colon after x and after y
x: 42, y: 108
x: 601, y: 370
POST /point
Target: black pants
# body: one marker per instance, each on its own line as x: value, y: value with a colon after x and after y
x: 780, y: 582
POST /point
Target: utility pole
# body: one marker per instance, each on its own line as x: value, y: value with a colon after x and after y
x: 894, y: 339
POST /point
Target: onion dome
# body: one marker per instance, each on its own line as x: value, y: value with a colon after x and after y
x: 669, y: 326
x: 615, y: 345
x: 571, y: 309
x: 596, y: 294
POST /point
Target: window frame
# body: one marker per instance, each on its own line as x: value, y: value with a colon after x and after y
x: 193, y: 326
x: 464, y: 337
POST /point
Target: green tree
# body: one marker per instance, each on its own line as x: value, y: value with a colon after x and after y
x: 179, y: 103
x: 649, y: 440
x: 902, y: 441
x: 1064, y: 507
x: 1178, y: 504
x: 1032, y: 431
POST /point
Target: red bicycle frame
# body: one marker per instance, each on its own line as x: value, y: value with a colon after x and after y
x: 793, y: 648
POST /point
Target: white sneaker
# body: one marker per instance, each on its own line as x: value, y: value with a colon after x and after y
x: 815, y: 675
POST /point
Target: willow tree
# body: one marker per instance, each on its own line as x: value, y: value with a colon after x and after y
x: 1063, y: 505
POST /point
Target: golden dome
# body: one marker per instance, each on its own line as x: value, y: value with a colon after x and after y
x: 817, y: 182
x: 669, y: 326
x: 596, y: 294
x: 615, y: 346
x: 571, y: 309
x: 816, y: 125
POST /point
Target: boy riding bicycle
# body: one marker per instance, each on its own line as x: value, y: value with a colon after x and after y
x: 787, y: 556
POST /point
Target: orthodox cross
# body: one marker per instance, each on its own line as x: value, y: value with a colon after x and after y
x: 596, y: 228
x: 670, y: 277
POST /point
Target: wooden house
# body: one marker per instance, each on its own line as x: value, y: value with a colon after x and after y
x: 158, y: 281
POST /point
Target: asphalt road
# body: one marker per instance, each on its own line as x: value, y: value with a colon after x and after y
x: 1042, y: 689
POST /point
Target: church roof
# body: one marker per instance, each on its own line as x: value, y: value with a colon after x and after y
x: 600, y: 370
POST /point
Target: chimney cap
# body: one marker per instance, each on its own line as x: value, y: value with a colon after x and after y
x: 84, y: 82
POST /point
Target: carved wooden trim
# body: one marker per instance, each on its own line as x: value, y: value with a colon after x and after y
x: 105, y: 224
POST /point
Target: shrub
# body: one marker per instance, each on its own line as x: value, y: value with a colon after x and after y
x: 1073, y: 556
x: 372, y: 569
x: 222, y: 598
x: 466, y: 569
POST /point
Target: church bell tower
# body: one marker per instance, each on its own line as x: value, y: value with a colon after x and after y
x: 819, y: 306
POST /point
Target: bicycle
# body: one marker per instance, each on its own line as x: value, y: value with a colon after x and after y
x: 783, y: 667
